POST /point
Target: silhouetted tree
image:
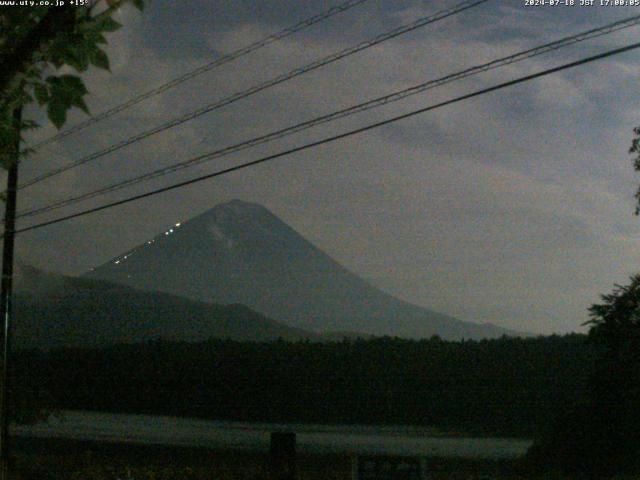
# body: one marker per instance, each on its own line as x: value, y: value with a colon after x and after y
x: 35, y: 43
x: 635, y: 150
x: 38, y: 44
x: 615, y: 381
x: 599, y: 433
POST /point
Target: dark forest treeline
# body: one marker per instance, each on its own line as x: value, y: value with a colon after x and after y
x: 509, y: 386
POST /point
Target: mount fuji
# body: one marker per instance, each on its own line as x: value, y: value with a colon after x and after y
x: 241, y: 253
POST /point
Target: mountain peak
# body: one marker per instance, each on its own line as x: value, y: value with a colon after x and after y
x: 234, y: 212
x: 237, y: 207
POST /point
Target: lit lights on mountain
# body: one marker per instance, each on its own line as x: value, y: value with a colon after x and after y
x: 149, y: 242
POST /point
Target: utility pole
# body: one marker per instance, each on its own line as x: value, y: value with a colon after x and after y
x: 6, y: 288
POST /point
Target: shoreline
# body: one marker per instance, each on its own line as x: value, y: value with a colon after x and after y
x: 312, y: 439
x: 60, y: 457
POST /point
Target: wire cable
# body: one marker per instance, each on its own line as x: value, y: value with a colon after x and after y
x: 374, y: 103
x: 260, y: 87
x: 203, y: 69
x: 334, y: 138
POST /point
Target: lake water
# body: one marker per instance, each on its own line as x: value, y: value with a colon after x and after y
x: 146, y: 429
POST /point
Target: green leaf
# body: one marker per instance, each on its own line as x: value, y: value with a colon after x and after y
x: 139, y: 4
x: 100, y: 59
x: 97, y: 38
x: 66, y: 91
x: 57, y: 113
x: 42, y: 93
x: 80, y: 57
x: 108, y: 24
x: 72, y: 51
x: 79, y: 102
x: 71, y: 84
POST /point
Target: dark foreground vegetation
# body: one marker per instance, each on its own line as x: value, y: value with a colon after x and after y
x: 569, y: 392
x: 71, y: 460
x: 506, y: 387
x: 599, y: 431
x: 578, y: 396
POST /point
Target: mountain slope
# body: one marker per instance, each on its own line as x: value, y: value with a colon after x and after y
x: 240, y: 252
x: 55, y: 311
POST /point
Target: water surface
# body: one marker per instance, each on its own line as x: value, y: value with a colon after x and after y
x: 160, y: 430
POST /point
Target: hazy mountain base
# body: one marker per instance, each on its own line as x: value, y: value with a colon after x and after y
x: 53, y: 311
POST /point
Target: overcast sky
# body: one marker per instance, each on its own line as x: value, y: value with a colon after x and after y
x: 514, y: 208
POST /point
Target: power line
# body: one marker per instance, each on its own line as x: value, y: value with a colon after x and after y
x: 262, y: 86
x: 383, y: 100
x: 334, y: 138
x: 203, y: 69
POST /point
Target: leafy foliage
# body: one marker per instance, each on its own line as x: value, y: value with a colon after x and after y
x: 601, y: 431
x: 615, y: 323
x: 615, y: 382
x: 635, y: 149
x: 35, y: 44
x: 508, y: 386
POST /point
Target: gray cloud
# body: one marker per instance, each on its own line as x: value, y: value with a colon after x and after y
x: 514, y: 208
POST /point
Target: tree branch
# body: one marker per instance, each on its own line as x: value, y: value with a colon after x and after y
x: 18, y: 61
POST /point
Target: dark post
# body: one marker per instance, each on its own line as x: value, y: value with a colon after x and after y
x: 5, y: 297
x: 283, y: 456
